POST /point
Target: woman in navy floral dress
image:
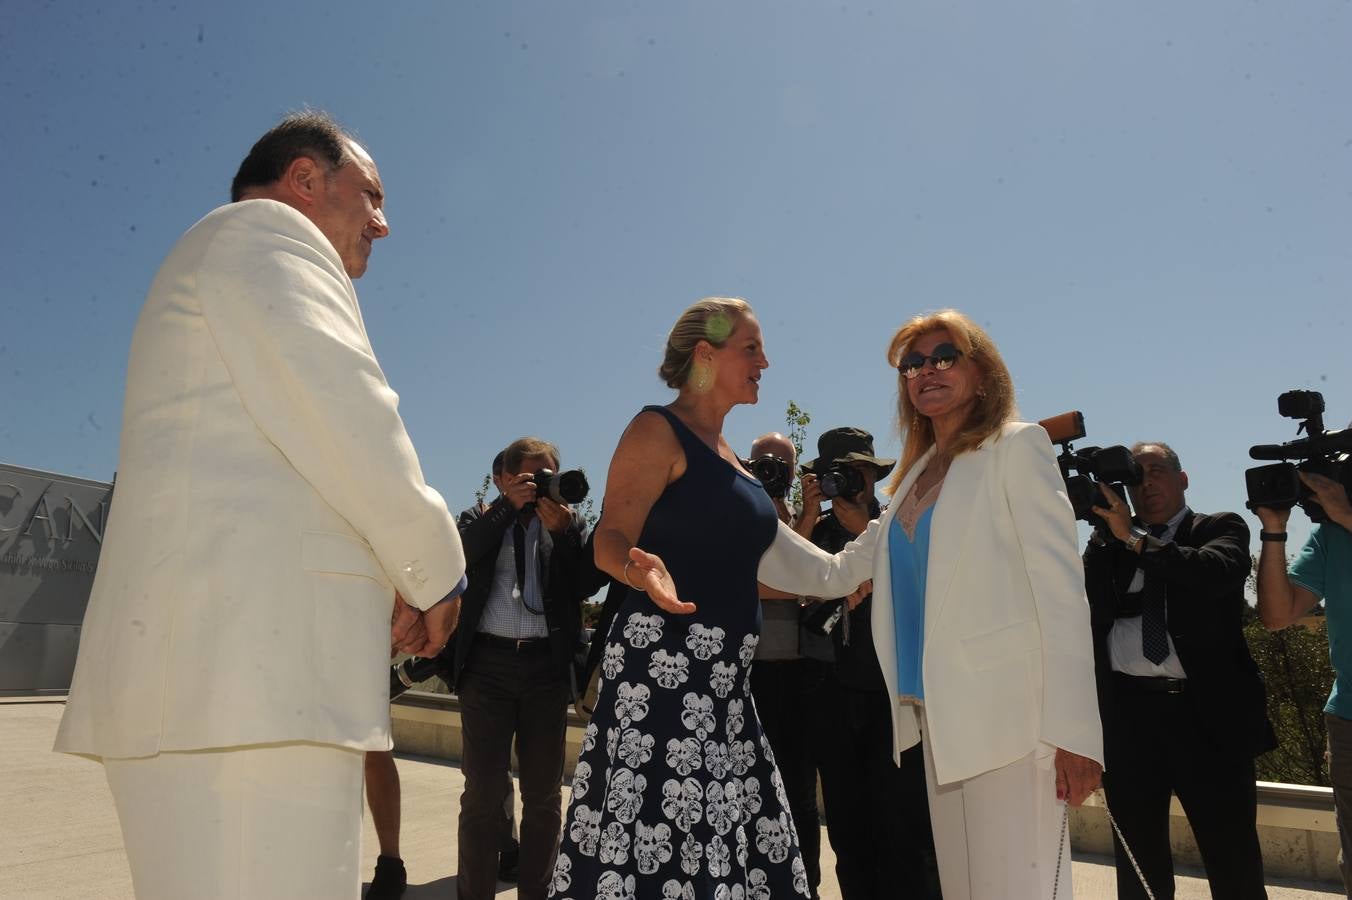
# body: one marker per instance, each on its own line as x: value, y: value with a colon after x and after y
x: 676, y: 794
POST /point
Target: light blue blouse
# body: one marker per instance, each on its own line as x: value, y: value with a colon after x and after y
x: 910, y: 561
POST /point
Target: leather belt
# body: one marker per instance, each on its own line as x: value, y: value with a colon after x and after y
x: 521, y: 647
x: 1151, y: 684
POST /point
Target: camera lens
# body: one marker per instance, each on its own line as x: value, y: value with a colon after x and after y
x: 562, y: 487
x: 773, y: 473
x: 842, y: 481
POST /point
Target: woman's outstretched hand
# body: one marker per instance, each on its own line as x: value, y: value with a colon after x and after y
x: 646, y: 572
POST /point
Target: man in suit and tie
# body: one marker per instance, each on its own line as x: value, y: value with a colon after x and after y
x: 1182, y: 704
x: 271, y: 522
x: 520, y: 623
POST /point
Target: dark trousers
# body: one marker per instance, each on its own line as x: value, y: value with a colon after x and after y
x: 502, y: 695
x: 877, y: 815
x: 783, y: 690
x: 1156, y: 744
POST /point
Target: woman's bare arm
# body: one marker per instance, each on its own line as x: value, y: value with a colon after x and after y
x: 647, y: 459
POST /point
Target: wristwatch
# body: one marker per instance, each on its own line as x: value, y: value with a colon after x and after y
x: 1136, y: 539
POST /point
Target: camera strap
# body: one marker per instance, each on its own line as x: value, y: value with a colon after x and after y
x: 1065, y: 841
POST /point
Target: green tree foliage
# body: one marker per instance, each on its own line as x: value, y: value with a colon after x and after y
x: 1294, y: 663
x: 1295, y: 667
x: 482, y: 492
x: 591, y: 613
x: 796, y: 419
x: 587, y: 510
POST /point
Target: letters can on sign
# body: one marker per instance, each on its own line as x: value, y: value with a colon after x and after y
x: 39, y: 514
x: 51, y: 533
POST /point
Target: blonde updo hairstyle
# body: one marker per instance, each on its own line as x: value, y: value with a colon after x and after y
x: 994, y: 404
x: 712, y: 319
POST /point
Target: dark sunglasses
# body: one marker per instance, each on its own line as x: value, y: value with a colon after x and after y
x: 944, y: 356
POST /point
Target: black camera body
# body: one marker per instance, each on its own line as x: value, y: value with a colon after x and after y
x: 1085, y: 471
x: 562, y: 487
x: 824, y: 617
x: 774, y: 474
x: 406, y: 674
x: 1321, y: 452
x: 841, y: 480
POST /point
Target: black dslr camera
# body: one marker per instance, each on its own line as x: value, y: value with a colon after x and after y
x: 774, y: 474
x: 841, y: 480
x: 1092, y: 467
x: 413, y: 670
x: 561, y: 487
x: 1321, y: 452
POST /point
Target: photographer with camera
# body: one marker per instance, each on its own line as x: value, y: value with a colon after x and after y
x: 1322, y: 570
x: 520, y: 620
x: 784, y: 676
x: 1181, y: 700
x: 877, y: 815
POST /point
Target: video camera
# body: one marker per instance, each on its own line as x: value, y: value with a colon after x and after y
x: 561, y: 487
x: 1321, y: 452
x: 774, y: 474
x: 1093, y: 466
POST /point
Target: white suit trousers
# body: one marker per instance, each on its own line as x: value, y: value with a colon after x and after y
x: 257, y: 822
x: 998, y: 836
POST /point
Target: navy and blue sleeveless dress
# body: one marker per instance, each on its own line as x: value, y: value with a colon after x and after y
x: 676, y: 795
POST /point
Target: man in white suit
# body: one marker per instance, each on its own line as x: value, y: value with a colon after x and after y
x: 271, y: 521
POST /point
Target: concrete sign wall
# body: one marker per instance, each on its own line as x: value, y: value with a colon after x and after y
x: 51, y: 529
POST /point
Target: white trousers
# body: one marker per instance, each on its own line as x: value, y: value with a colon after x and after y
x: 242, y: 823
x: 998, y: 836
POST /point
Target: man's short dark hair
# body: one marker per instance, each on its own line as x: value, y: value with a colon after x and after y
x: 1164, y: 448
x: 310, y: 132
x: 497, y: 462
x: 521, y: 448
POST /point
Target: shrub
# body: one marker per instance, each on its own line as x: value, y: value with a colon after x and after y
x: 1295, y: 667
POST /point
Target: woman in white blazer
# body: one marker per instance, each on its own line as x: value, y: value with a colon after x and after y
x: 979, y: 617
x: 980, y: 620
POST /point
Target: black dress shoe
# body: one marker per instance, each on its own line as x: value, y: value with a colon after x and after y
x: 389, y: 881
x: 509, y: 864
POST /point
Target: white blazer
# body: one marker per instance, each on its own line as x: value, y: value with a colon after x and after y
x: 268, y: 503
x: 1008, y: 661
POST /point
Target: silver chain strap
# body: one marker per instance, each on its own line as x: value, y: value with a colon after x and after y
x: 1065, y: 840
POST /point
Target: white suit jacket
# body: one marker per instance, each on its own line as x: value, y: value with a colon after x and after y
x: 268, y: 503
x: 1008, y: 661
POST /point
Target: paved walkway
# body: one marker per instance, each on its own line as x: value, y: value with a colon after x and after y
x: 59, y: 838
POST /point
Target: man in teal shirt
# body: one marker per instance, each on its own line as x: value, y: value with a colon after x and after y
x: 1321, y: 571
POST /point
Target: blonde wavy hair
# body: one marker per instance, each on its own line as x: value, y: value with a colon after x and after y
x: 995, y: 399
x: 712, y: 319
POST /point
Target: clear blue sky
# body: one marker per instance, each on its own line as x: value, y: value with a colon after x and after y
x: 1148, y: 204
